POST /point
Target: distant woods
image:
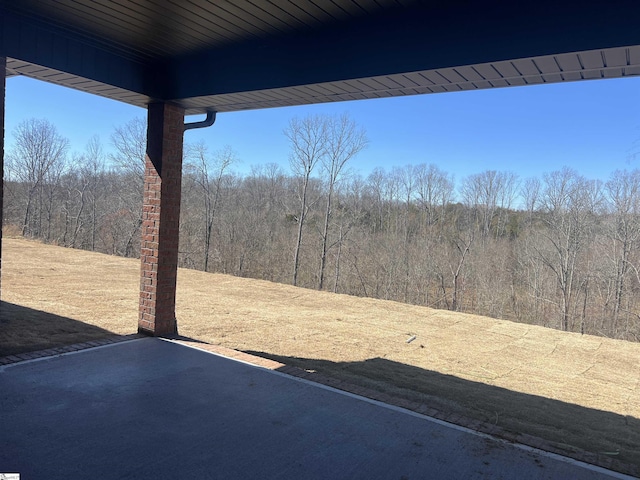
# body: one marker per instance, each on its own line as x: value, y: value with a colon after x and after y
x: 559, y: 251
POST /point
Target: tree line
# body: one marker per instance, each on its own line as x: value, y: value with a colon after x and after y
x: 560, y: 250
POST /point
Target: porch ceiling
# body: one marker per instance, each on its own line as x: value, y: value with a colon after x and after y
x: 239, y: 54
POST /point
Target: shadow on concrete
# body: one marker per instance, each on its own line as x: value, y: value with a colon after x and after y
x: 153, y: 409
x: 566, y: 427
x: 24, y: 329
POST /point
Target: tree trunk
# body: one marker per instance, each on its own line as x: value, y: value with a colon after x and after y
x: 303, y: 211
x: 325, y: 235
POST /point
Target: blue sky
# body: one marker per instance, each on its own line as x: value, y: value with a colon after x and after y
x: 592, y: 126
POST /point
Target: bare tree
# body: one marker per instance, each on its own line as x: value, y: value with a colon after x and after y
x: 375, y: 188
x: 530, y: 192
x: 461, y: 246
x: 209, y: 173
x: 623, y: 195
x: 130, y: 146
x: 490, y: 194
x: 349, y: 212
x: 93, y: 171
x: 307, y: 138
x: 38, y: 156
x: 435, y: 191
x: 83, y: 183
x: 510, y: 185
x: 344, y: 141
x: 569, y: 204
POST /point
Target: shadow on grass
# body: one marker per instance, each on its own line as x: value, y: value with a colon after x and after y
x: 178, y: 336
x: 24, y: 329
x: 567, y: 427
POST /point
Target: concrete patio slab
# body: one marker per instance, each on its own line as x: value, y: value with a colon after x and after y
x: 155, y: 409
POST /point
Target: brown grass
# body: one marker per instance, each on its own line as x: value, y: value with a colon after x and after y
x: 578, y: 391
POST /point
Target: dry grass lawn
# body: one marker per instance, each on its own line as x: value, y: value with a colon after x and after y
x: 577, y: 391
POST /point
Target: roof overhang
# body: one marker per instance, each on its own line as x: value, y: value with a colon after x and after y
x: 237, y: 55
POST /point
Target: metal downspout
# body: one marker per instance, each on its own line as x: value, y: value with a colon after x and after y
x: 207, y: 122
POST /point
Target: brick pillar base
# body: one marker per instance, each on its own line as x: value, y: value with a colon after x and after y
x: 160, y: 220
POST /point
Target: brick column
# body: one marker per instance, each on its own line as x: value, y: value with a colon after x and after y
x: 160, y: 220
x: 3, y: 74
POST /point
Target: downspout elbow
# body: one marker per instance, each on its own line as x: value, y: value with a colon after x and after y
x: 207, y: 122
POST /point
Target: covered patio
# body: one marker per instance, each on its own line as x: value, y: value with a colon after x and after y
x: 152, y: 408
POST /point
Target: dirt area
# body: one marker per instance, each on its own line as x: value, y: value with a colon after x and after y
x: 576, y: 390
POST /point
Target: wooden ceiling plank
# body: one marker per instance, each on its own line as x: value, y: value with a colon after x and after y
x: 97, y: 11
x: 469, y: 73
x: 31, y: 69
x: 341, y: 88
x: 403, y: 80
x: 384, y: 94
x: 435, y: 77
x: 228, y: 30
x: 322, y: 89
x: 592, y: 59
x: 196, y: 24
x: 333, y: 88
x: 571, y: 76
x: 592, y: 74
x: 190, y: 21
x: 315, y: 10
x: 392, y: 3
x: 333, y: 10
x: 355, y: 86
x: 552, y: 77
x: 250, y: 13
x: 115, y: 26
x: 283, y: 10
x: 266, y: 95
x: 569, y: 62
x: 240, y: 22
x: 613, y: 72
x: 634, y: 55
x: 347, y: 86
x: 533, y: 79
x: 59, y: 76
x: 516, y: 81
x: 504, y: 70
x: 482, y: 84
x: 499, y: 83
x: 547, y: 64
x: 488, y: 71
x: 369, y: 6
x: 419, y: 79
x: 616, y: 57
x: 310, y: 91
x: 351, y: 7
x: 101, y: 89
x: 468, y: 86
x: 526, y: 67
x: 386, y: 82
x: 451, y: 75
x: 371, y: 84
x: 111, y: 16
x: 303, y: 11
x: 452, y: 87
